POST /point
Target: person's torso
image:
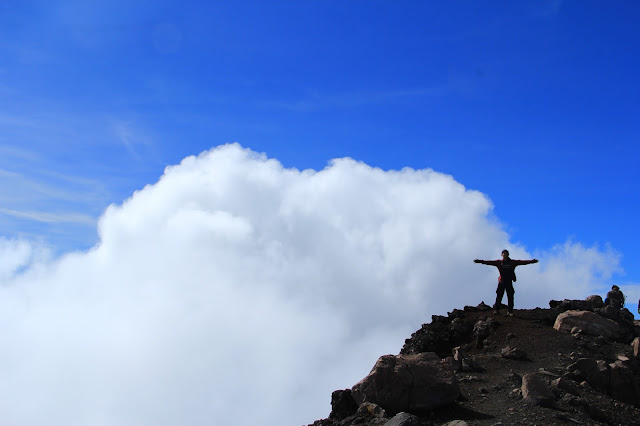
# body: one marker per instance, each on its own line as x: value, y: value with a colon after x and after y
x: 506, y: 268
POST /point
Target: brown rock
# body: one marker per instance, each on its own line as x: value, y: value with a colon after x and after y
x: 635, y: 345
x: 342, y: 404
x: 408, y: 383
x: 623, y: 386
x: 462, y: 361
x: 596, y: 373
x: 564, y: 385
x: 536, y: 391
x: 595, y: 301
x: 513, y: 353
x: 404, y: 419
x: 590, y: 323
x: 369, y: 409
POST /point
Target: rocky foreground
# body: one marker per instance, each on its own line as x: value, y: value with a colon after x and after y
x: 577, y: 362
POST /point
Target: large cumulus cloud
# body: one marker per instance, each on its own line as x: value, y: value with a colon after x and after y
x: 235, y: 291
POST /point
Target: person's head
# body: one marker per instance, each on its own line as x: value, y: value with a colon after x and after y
x: 615, y: 287
x: 505, y: 254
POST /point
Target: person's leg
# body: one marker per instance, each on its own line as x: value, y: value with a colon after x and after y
x: 510, y: 292
x: 499, y: 295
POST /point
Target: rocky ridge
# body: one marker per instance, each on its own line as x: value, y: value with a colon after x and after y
x: 577, y: 362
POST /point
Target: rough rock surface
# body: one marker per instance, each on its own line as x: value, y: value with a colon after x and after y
x: 342, y: 404
x: 535, y: 390
x: 462, y: 361
x: 586, y: 380
x: 404, y: 419
x: 408, y: 383
x: 590, y: 323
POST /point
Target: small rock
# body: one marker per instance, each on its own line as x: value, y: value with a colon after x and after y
x: 404, y: 419
x: 595, y: 413
x: 471, y: 379
x: 513, y: 353
x: 462, y: 361
x: 635, y: 345
x: 565, y: 385
x: 536, y: 391
x: 570, y: 399
x: 564, y: 417
x: 515, y: 377
x: 371, y: 409
x: 545, y: 372
x: 516, y: 393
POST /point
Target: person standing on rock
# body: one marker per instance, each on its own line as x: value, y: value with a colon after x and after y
x: 507, y: 267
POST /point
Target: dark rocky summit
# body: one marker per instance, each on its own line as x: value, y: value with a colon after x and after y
x: 575, y: 363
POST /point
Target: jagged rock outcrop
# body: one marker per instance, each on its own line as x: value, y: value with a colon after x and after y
x: 589, y: 304
x: 342, y: 404
x: 616, y: 379
x: 442, y: 334
x: 408, y: 383
x: 495, y: 369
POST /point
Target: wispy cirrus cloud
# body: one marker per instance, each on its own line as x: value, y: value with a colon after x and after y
x: 48, y: 217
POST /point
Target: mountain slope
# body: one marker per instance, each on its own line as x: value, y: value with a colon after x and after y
x: 583, y: 377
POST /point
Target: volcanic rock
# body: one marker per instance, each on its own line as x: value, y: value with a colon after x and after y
x: 589, y: 323
x: 536, y: 390
x: 408, y: 383
x: 586, y: 378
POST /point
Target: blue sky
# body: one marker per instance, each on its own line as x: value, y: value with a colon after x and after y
x: 532, y: 104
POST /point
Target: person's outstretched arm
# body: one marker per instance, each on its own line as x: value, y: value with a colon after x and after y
x: 488, y: 262
x: 524, y: 262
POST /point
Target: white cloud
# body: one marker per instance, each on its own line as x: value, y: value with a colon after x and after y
x: 234, y: 291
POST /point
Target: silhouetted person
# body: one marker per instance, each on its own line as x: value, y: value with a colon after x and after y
x: 615, y: 298
x: 507, y: 267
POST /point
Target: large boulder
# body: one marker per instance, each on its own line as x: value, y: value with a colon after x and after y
x: 616, y: 379
x: 590, y: 323
x: 408, y: 383
x: 623, y: 385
